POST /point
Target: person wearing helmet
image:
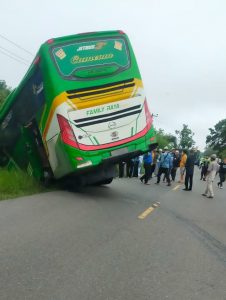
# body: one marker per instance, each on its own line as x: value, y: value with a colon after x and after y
x: 211, y: 173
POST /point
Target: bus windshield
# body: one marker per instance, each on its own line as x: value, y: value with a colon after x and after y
x: 91, y: 58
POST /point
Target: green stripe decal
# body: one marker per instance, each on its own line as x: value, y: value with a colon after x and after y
x: 96, y: 140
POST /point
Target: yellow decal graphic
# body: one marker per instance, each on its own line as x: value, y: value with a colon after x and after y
x: 77, y: 59
x: 100, y: 45
x: 61, y: 54
x: 118, y: 46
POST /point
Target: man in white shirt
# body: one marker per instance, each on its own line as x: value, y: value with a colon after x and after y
x: 211, y: 173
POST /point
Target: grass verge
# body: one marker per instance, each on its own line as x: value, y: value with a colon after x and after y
x: 16, y: 184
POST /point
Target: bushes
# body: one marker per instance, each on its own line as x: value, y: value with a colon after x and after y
x: 17, y: 183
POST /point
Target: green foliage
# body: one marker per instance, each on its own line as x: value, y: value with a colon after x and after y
x: 172, y: 140
x: 16, y: 183
x: 222, y: 154
x: 208, y: 151
x: 217, y: 137
x: 185, y: 137
x: 164, y: 139
x: 4, y: 91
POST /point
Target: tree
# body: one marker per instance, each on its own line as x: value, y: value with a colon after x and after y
x: 4, y: 91
x: 217, y: 137
x: 222, y: 154
x: 165, y: 139
x: 172, y: 139
x: 185, y: 137
x: 208, y: 151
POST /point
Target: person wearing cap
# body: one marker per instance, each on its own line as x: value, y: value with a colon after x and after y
x: 211, y: 173
x: 165, y: 164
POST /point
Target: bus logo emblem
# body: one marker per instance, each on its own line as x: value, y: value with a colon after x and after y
x: 112, y: 125
x: 114, y: 134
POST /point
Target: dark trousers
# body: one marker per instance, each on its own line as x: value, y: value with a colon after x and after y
x: 188, y: 180
x: 135, y: 169
x: 147, y: 174
x: 121, y: 169
x: 129, y: 168
x: 173, y: 173
x: 152, y: 169
x: 203, y: 172
x: 163, y: 171
x: 222, y: 179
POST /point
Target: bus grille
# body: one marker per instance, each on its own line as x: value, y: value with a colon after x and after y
x: 103, y: 89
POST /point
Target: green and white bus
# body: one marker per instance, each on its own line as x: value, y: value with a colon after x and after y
x: 79, y: 110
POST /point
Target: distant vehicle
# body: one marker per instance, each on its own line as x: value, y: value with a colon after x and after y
x: 78, y: 111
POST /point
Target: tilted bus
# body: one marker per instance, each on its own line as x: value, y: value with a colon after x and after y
x: 79, y: 110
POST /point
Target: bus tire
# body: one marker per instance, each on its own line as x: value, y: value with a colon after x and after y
x: 106, y: 181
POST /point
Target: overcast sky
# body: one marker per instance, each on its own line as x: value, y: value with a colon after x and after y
x: 180, y: 47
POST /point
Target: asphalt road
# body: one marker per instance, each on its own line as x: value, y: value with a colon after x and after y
x: 112, y: 243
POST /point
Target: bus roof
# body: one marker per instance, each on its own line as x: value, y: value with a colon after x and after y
x: 85, y: 35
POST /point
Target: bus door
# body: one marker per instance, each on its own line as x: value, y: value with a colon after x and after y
x: 37, y: 158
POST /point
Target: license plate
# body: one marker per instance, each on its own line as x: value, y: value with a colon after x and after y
x: 119, y: 151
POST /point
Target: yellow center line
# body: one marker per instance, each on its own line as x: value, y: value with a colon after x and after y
x: 148, y: 210
x: 146, y: 213
x: 176, y: 187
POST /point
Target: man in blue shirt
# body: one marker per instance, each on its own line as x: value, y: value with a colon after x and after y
x: 147, y: 159
x: 165, y: 164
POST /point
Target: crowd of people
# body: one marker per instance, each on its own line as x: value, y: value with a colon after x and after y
x: 169, y: 162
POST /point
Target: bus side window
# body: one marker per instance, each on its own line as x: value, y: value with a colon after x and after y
x: 10, y: 130
x: 31, y: 98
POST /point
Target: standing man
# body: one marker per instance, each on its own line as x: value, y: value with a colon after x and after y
x: 140, y: 165
x: 147, y: 159
x: 189, y: 168
x: 158, y: 155
x: 164, y: 165
x: 176, y: 163
x: 222, y: 173
x: 182, y: 165
x: 204, y: 168
x: 211, y: 173
x: 154, y: 161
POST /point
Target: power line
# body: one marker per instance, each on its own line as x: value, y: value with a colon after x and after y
x: 18, y: 46
x: 17, y: 56
x: 22, y: 62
